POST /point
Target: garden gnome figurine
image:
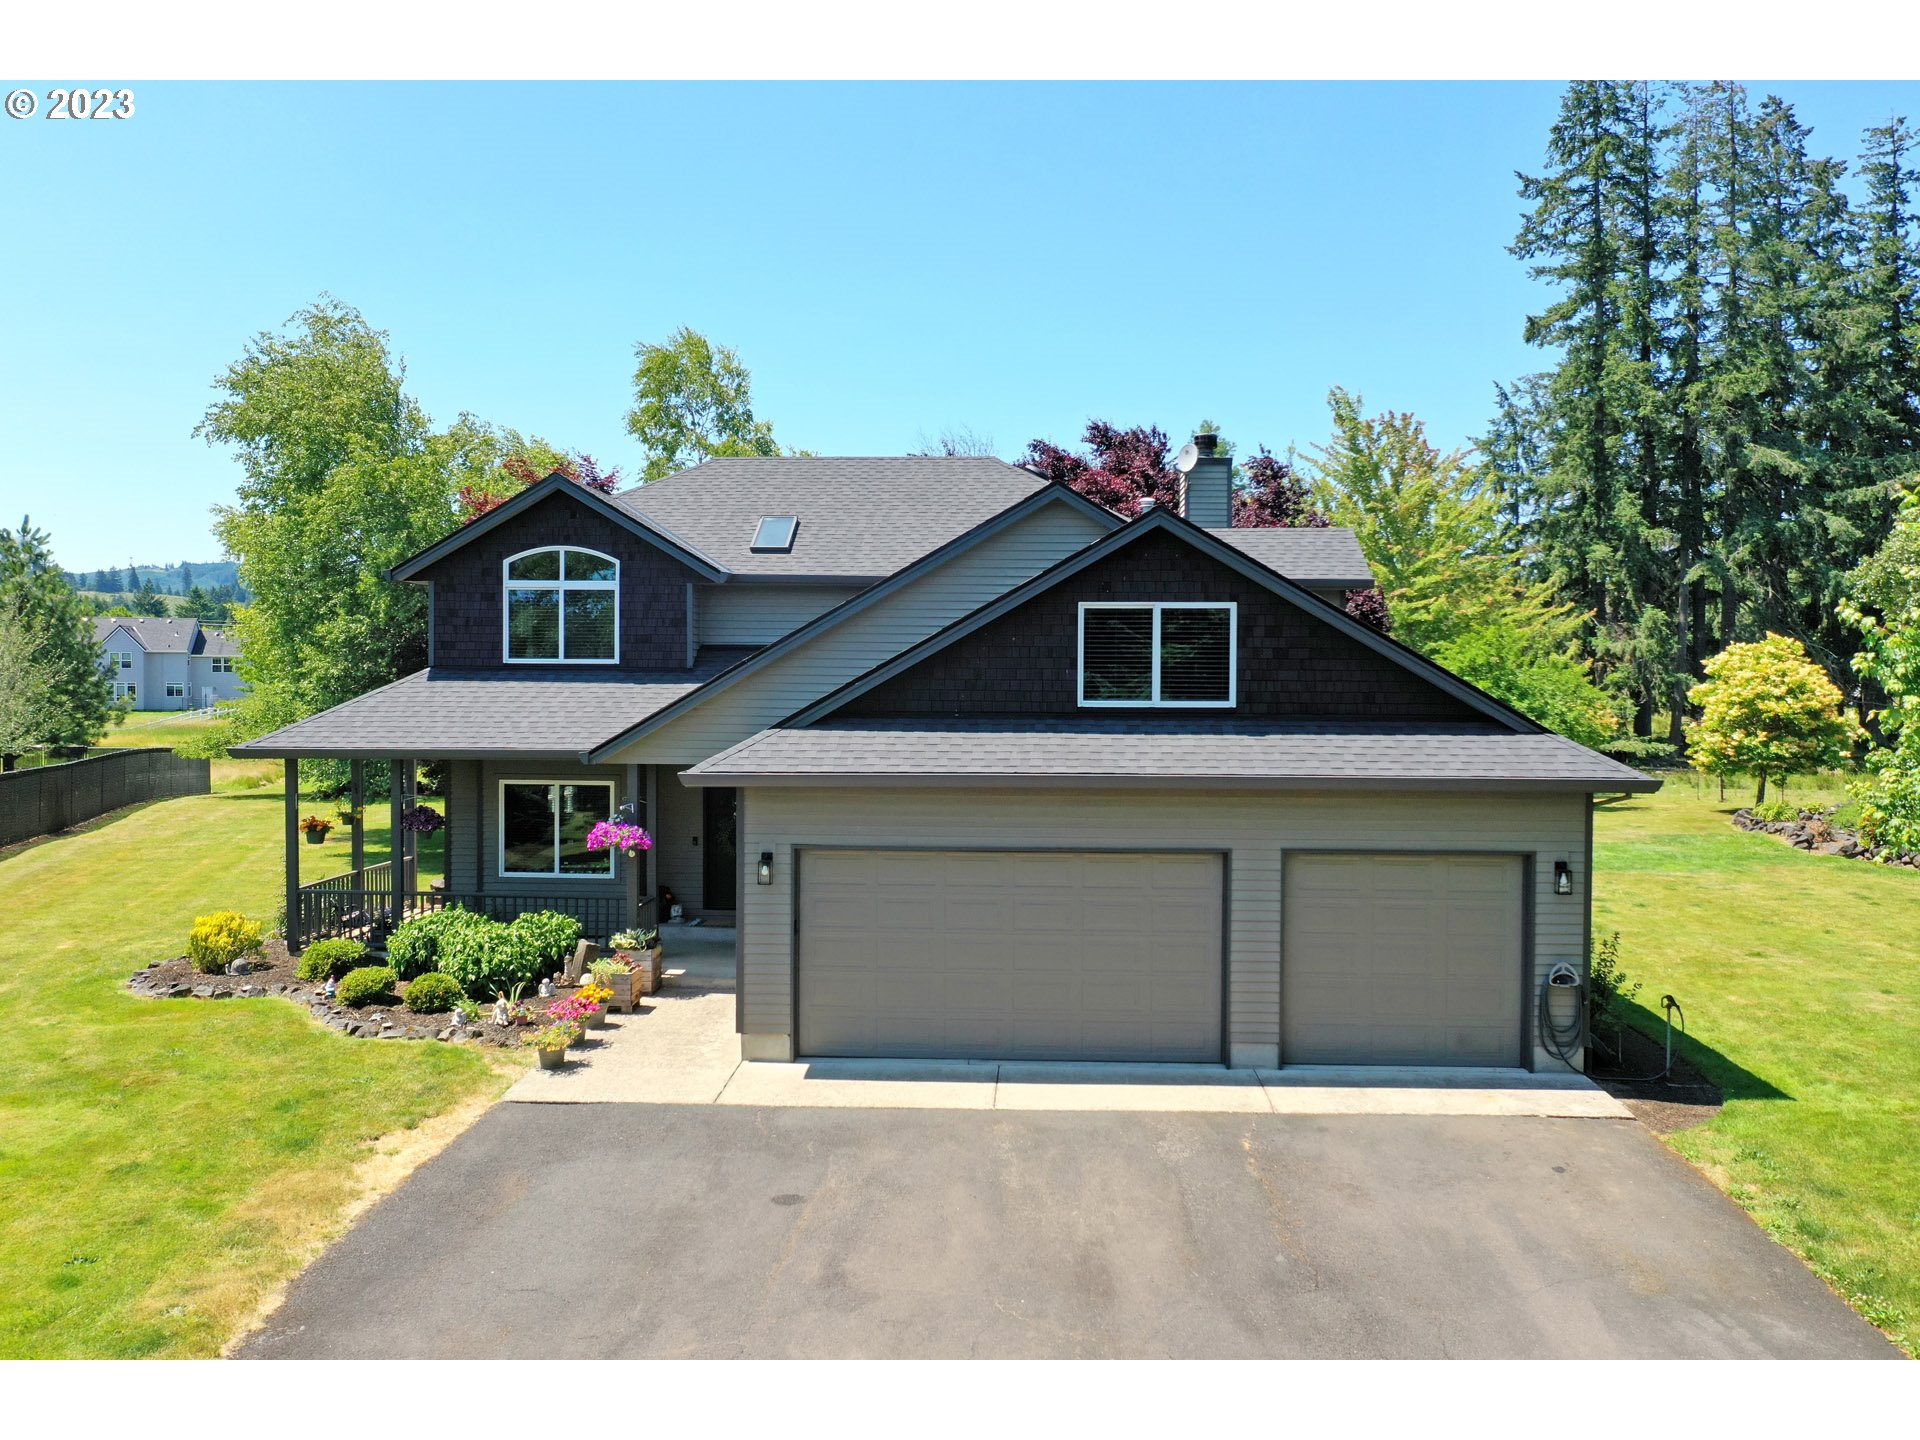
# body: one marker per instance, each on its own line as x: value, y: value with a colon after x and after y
x: 501, y: 1015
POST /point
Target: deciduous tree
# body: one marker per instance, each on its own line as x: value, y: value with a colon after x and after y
x: 693, y: 400
x: 1768, y: 710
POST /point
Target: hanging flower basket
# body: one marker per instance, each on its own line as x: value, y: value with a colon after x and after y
x: 622, y: 835
x: 423, y: 820
x: 315, y: 829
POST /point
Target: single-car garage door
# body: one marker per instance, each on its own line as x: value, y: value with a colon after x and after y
x: 1009, y: 955
x: 1401, y: 960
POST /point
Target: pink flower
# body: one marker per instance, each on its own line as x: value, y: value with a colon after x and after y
x: 619, y: 835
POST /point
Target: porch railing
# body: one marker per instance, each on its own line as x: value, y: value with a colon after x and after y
x: 364, y: 906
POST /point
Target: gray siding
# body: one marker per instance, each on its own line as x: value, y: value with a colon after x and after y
x: 1256, y: 830
x: 463, y: 825
x: 677, y: 852
x: 761, y: 614
x: 851, y: 648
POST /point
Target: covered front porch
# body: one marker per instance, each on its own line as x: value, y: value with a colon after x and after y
x: 513, y: 836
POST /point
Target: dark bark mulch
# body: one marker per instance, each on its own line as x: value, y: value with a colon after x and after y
x: 275, y: 974
x: 1681, y: 1100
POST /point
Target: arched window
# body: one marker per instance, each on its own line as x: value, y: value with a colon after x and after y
x: 562, y: 607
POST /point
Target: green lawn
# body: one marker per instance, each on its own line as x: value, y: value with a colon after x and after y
x: 1800, y: 977
x: 165, y: 1164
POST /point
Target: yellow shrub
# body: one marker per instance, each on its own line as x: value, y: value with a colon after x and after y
x: 220, y: 939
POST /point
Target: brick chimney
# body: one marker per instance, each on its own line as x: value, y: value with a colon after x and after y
x: 1206, y: 491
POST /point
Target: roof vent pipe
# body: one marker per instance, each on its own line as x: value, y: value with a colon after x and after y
x: 1206, y: 483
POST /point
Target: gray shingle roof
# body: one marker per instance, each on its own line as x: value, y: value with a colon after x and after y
x: 157, y: 635
x: 160, y: 635
x: 532, y: 711
x: 1068, y: 752
x: 1326, y: 557
x: 859, y: 515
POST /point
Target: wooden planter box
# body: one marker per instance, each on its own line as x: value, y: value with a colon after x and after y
x: 648, y: 968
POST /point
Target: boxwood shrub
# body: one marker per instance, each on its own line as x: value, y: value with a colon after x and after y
x: 333, y: 958
x: 414, y: 947
x: 433, y: 994
x: 367, y: 985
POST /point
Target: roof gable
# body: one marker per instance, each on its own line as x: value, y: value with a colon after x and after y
x: 558, y: 484
x: 1303, y: 656
x: 1046, y: 495
x: 154, y: 634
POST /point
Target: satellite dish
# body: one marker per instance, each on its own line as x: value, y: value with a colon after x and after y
x: 1188, y: 457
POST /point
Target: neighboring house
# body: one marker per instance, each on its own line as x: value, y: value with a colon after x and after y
x: 981, y: 770
x: 158, y: 663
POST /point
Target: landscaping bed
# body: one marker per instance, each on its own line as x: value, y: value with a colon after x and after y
x: 273, y: 974
x: 1815, y: 832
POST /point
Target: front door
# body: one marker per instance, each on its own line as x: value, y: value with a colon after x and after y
x: 721, y: 869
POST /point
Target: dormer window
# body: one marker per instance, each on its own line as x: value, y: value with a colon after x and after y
x: 562, y: 607
x: 1171, y: 654
x: 774, y: 534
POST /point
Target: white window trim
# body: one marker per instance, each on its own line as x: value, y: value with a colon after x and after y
x: 561, y: 586
x: 500, y: 818
x: 1157, y: 607
x: 176, y: 689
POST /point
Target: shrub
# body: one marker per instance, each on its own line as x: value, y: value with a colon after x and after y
x: 366, y: 986
x: 1774, y: 811
x: 330, y: 958
x: 433, y: 994
x: 606, y: 967
x: 488, y: 959
x: 551, y: 934
x: 1608, y: 987
x: 414, y: 948
x: 219, y: 939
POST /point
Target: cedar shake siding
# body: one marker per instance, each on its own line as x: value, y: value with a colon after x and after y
x: 467, y: 590
x: 1292, y: 664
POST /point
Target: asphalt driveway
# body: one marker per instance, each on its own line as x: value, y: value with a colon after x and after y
x: 666, y: 1230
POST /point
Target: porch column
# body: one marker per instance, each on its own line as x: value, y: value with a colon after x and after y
x: 293, y: 853
x: 357, y: 802
x: 653, y: 829
x: 638, y: 800
x: 397, y: 837
x: 410, y: 798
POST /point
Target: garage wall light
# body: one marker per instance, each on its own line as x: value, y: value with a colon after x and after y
x: 765, y: 874
x: 1562, y: 878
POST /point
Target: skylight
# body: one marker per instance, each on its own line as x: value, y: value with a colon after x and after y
x: 775, y: 533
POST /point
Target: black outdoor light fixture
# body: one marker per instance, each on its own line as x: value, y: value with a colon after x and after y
x: 1562, y: 877
x: 765, y: 875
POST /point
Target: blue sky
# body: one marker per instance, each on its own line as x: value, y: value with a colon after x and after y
x: 888, y: 259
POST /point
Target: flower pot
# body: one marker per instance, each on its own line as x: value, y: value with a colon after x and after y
x: 598, y: 1019
x: 552, y: 1059
x: 316, y: 837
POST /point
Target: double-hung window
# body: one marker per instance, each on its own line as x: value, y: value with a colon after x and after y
x: 176, y: 690
x: 544, y: 826
x: 120, y: 660
x: 1175, y: 654
x: 223, y: 664
x: 562, y: 607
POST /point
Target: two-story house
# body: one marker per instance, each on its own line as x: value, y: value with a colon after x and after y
x: 161, y: 663
x: 980, y: 769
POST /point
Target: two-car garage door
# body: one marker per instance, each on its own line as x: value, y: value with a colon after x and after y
x: 1385, y: 958
x: 1010, y: 955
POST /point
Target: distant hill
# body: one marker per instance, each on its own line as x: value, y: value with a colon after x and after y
x: 167, y: 579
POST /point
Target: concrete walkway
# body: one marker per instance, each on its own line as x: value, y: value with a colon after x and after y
x: 682, y: 1050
